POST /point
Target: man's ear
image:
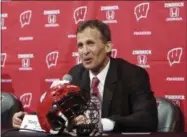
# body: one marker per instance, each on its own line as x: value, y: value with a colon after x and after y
x: 108, y: 47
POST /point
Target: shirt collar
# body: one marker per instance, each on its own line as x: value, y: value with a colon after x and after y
x: 102, y: 75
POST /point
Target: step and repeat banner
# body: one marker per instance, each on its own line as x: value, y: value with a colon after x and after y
x: 39, y: 43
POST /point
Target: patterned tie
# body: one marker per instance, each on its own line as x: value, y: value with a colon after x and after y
x: 96, y: 96
x: 95, y: 90
x: 96, y: 99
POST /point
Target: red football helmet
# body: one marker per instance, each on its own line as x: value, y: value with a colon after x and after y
x: 59, y: 106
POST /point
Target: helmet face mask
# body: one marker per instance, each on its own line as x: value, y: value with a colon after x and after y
x: 61, y: 105
x: 56, y: 122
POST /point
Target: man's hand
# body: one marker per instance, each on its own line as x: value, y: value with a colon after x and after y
x: 17, y: 119
x: 108, y: 125
x: 81, y: 119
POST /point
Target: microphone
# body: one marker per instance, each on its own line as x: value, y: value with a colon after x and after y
x: 67, y: 77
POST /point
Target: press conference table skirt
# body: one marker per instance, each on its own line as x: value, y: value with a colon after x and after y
x: 17, y: 133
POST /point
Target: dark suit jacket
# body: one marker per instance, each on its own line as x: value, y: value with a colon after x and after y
x: 127, y: 99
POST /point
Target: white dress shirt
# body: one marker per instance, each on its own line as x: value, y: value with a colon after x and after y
x: 101, y: 76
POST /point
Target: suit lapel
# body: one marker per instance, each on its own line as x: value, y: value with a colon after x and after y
x: 85, y: 85
x: 109, y: 88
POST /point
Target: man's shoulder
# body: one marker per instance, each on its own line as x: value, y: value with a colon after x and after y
x: 127, y: 64
x: 128, y: 67
x: 77, y: 70
x: 77, y: 67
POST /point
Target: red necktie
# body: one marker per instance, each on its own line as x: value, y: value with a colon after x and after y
x: 96, y: 98
x: 95, y: 90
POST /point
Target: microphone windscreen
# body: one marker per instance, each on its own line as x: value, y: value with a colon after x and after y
x: 67, y: 77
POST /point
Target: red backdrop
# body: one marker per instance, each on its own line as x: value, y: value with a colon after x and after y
x: 39, y: 43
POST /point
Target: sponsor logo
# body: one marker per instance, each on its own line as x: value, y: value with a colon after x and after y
x: 26, y: 99
x: 142, y: 33
x: 142, y: 57
x: 52, y: 17
x: 174, y: 4
x: 110, y: 13
x: 25, y: 61
x: 141, y: 52
x: 26, y: 38
x: 6, y: 80
x: 174, y: 56
x: 51, y: 59
x: 79, y: 14
x: 176, y: 99
x: 3, y: 59
x: 174, y: 11
x: 70, y: 36
x: 179, y: 97
x: 175, y: 79
x: 141, y: 11
x: 51, y: 80
x: 105, y: 8
x: 25, y: 18
x: 3, y: 17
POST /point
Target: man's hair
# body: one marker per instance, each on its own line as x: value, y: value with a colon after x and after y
x: 99, y: 25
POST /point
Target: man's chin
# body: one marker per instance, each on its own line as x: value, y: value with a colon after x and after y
x: 88, y: 66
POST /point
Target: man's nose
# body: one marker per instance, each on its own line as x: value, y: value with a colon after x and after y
x: 85, y: 50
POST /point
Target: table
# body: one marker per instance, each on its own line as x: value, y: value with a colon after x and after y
x: 17, y: 133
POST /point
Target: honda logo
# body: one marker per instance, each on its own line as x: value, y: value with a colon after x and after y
x: 142, y: 59
x: 51, y: 19
x: 174, y: 12
x: 110, y: 14
x: 25, y: 62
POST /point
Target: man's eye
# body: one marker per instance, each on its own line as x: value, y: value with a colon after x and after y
x: 79, y: 45
x: 90, y: 42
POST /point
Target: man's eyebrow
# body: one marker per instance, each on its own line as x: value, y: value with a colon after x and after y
x: 90, y: 41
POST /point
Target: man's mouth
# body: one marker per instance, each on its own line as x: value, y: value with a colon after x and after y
x: 88, y: 60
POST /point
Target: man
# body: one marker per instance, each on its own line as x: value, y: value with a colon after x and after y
x: 128, y: 104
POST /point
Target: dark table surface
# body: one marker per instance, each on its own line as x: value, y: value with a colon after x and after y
x: 16, y: 133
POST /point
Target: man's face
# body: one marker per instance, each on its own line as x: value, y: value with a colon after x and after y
x: 92, y: 50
